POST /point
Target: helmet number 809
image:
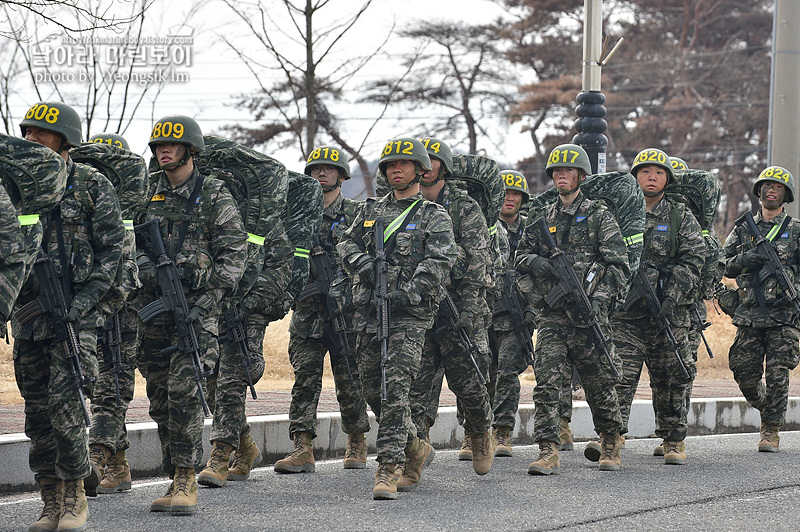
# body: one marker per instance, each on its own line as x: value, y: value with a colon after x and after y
x: 167, y: 129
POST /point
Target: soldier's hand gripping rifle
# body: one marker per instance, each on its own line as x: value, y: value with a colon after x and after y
x: 450, y: 311
x: 570, y: 287
x: 172, y: 300
x: 642, y: 290
x: 111, y: 342
x: 772, y: 266
x: 54, y: 302
x: 382, y: 303
x: 235, y: 331
x: 700, y: 325
x: 509, y: 303
x: 334, y: 336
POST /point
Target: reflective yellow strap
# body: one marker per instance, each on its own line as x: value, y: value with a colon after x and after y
x: 638, y: 238
x: 397, y: 222
x: 128, y: 224
x: 303, y: 253
x: 255, y: 239
x: 773, y: 232
x: 493, y: 230
x: 28, y: 219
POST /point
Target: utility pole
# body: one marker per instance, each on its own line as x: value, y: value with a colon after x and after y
x: 784, y: 99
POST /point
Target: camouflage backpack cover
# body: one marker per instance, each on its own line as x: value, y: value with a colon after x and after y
x: 302, y: 218
x: 700, y: 191
x: 624, y: 198
x: 480, y: 177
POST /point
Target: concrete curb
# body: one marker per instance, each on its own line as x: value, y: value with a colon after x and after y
x: 707, y: 416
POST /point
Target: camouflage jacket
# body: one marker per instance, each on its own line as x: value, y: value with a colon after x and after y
x: 674, y: 253
x: 308, y: 316
x: 93, y: 240
x: 590, y: 235
x: 713, y: 268
x: 499, y: 251
x: 212, y: 258
x: 269, y: 290
x: 513, y: 232
x: 471, y: 275
x: 16, y: 256
x: 787, y: 246
x: 424, y: 253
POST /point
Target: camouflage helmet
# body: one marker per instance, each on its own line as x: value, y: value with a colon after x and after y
x: 439, y: 149
x: 777, y: 174
x: 177, y: 128
x: 678, y: 164
x: 514, y: 180
x: 568, y: 156
x: 112, y: 139
x: 653, y: 156
x: 405, y: 148
x: 54, y: 116
x: 329, y: 156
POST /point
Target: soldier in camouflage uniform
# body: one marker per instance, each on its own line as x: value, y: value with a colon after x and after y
x: 420, y: 252
x: 508, y: 357
x: 309, y: 340
x: 767, y: 335
x: 588, y: 233
x: 674, y: 254
x: 204, y: 235
x: 467, y: 285
x: 87, y: 228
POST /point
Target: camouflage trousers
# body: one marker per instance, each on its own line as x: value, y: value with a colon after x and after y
x: 771, y: 352
x: 228, y: 387
x: 557, y: 344
x: 395, y: 428
x: 108, y: 419
x: 53, y: 414
x: 175, y: 403
x: 307, y: 356
x: 508, y: 361
x: 639, y: 342
x: 445, y: 348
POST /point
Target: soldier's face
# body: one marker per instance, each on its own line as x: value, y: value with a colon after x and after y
x: 512, y: 203
x: 772, y: 195
x: 45, y: 137
x: 652, y: 178
x: 328, y: 176
x: 400, y: 172
x: 436, y: 167
x: 566, y: 178
x: 169, y: 152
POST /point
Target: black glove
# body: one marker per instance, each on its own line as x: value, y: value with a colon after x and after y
x: 73, y: 316
x: 399, y: 299
x: 464, y: 322
x: 750, y: 259
x: 530, y: 319
x: 597, y: 308
x: 666, y: 309
x: 364, y: 270
x: 196, y: 315
x: 541, y: 267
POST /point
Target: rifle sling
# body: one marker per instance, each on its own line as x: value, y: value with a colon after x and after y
x: 187, y: 210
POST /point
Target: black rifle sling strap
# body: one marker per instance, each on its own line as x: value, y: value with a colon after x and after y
x: 187, y: 210
x: 62, y: 250
x: 390, y: 232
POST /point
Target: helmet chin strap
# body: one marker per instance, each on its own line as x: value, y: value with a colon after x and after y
x: 653, y: 194
x: 410, y: 183
x: 328, y: 188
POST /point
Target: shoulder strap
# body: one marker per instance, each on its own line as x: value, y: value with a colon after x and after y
x: 187, y: 210
x: 390, y: 232
x: 778, y: 230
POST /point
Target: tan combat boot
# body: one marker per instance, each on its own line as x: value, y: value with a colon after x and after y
x: 99, y: 455
x: 163, y: 503
x: 184, y: 492
x: 465, y: 453
x: 419, y: 454
x: 674, y: 452
x: 355, y: 457
x: 215, y: 475
x: 50, y: 490
x: 301, y: 459
x: 548, y: 462
x: 74, y: 508
x: 482, y: 452
x: 117, y: 476
x: 244, y: 458
x: 385, y: 482
x: 501, y: 439
x: 659, y: 450
x: 565, y: 433
x: 610, y: 459
x: 770, y: 440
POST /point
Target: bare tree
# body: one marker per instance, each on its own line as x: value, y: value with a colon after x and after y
x: 73, y: 16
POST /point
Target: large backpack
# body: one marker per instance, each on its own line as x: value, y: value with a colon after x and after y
x: 700, y: 191
x: 480, y: 177
x: 624, y: 198
x: 302, y: 218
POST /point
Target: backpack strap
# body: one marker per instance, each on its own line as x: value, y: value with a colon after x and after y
x: 187, y: 210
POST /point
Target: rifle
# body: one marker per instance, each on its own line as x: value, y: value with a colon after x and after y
x: 509, y: 303
x: 641, y: 289
x: 450, y: 311
x: 700, y: 325
x: 334, y: 336
x: 772, y: 266
x: 236, y: 332
x: 111, y: 340
x: 52, y: 300
x: 382, y: 303
x: 172, y: 299
x: 570, y: 286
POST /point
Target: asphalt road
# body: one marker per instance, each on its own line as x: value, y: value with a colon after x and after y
x: 727, y: 485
